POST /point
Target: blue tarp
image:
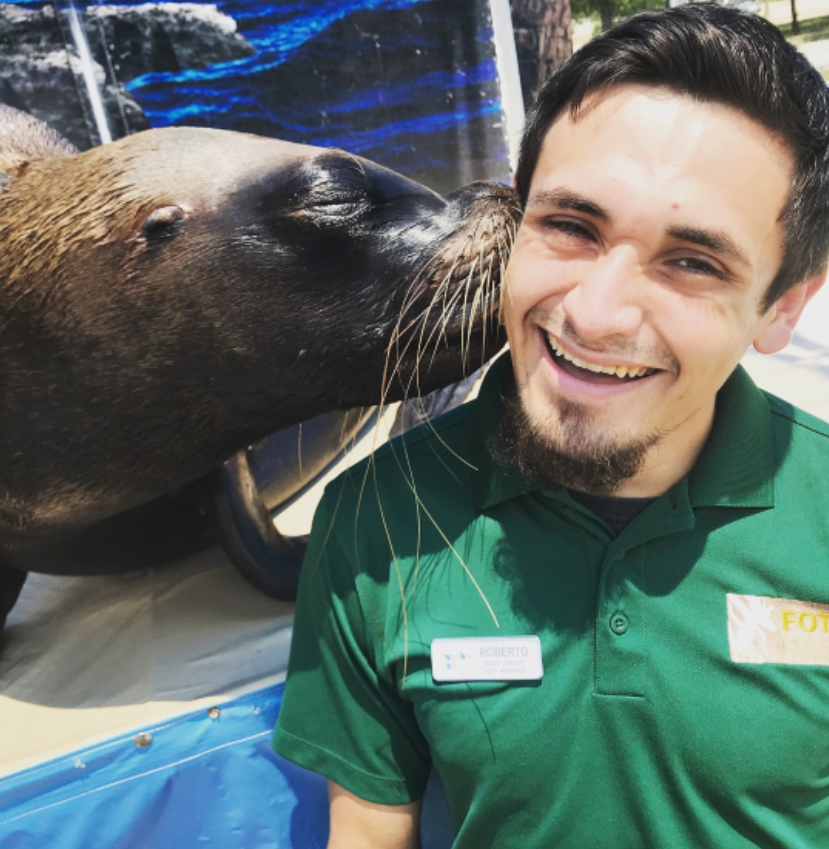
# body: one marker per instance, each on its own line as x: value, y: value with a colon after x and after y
x: 206, y: 780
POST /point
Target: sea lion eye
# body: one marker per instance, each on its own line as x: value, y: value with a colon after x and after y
x: 332, y: 196
x: 161, y: 223
x: 339, y: 206
x: 325, y: 211
x: 337, y: 188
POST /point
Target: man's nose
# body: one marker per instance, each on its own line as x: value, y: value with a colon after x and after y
x: 606, y: 298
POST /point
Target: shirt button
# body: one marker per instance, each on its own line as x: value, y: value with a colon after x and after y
x: 619, y: 623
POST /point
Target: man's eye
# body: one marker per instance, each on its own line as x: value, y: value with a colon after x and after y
x: 568, y: 228
x: 696, y: 265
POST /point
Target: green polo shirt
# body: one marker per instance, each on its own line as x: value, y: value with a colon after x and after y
x: 685, y: 692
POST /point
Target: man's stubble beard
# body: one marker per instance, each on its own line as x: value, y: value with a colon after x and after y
x: 563, y: 451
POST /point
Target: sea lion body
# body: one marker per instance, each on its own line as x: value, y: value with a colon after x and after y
x: 170, y: 298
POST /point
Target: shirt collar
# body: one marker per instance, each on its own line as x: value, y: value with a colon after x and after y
x: 735, y: 468
x: 491, y: 482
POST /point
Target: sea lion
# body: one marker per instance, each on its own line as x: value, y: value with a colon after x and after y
x: 174, y: 296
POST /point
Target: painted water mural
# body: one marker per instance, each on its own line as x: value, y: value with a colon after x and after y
x: 411, y: 84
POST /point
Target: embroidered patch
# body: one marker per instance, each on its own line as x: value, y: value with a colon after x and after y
x: 777, y: 630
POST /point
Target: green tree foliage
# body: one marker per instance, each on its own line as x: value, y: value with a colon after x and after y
x: 608, y: 11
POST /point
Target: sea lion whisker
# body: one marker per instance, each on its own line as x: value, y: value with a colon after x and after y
x: 438, y: 328
x: 423, y: 325
x: 397, y: 570
x: 428, y: 423
x: 369, y: 468
x: 505, y: 277
x: 418, y: 319
x: 328, y: 533
x: 410, y: 482
x: 423, y: 315
x: 415, y: 376
x: 449, y: 303
x: 469, y: 315
x: 483, y: 303
x: 494, y: 291
x: 481, y: 593
x: 445, y: 317
x: 426, y: 271
x: 410, y: 295
x: 490, y: 302
x: 447, y: 306
x: 465, y: 338
x: 483, y: 291
x: 395, y: 344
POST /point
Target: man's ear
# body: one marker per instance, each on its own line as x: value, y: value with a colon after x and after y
x: 785, y: 313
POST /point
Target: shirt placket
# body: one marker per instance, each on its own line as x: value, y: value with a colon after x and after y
x: 621, y: 631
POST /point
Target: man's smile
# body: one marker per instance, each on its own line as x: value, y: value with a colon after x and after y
x: 595, y: 370
x: 610, y: 374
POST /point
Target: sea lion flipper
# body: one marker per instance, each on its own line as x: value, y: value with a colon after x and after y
x: 11, y: 584
x: 268, y: 560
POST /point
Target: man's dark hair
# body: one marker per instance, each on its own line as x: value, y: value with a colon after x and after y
x: 717, y: 54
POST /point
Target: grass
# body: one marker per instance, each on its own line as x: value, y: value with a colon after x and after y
x: 812, y: 29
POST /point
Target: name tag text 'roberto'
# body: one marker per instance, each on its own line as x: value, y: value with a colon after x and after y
x: 486, y: 659
x: 762, y: 629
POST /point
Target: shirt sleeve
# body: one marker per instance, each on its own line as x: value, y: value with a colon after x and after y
x: 340, y: 716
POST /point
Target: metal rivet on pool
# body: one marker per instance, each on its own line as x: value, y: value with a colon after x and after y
x: 143, y: 740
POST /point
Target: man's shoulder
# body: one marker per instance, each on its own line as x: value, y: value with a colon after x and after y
x: 434, y: 438
x: 421, y: 468
x: 791, y: 418
x: 801, y: 450
x: 448, y: 426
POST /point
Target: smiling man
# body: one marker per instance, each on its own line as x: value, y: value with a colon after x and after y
x: 650, y: 238
x: 595, y: 600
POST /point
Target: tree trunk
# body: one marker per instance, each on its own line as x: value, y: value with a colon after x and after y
x: 795, y: 23
x: 543, y: 39
x: 605, y: 13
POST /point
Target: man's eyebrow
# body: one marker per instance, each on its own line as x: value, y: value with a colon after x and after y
x: 564, y: 199
x: 717, y: 241
x: 714, y: 240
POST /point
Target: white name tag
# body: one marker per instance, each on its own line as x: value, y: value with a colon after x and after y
x: 486, y: 659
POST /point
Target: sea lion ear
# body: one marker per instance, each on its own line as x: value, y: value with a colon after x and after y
x: 162, y: 223
x: 25, y: 139
x: 10, y: 167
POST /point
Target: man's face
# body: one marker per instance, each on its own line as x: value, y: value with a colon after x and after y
x: 635, y: 285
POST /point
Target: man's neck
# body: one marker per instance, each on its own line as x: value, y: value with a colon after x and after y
x: 616, y: 512
x: 671, y: 458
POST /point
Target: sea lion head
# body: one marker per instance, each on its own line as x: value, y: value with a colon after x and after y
x: 171, y: 297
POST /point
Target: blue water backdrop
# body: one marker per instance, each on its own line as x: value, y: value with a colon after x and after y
x: 411, y: 84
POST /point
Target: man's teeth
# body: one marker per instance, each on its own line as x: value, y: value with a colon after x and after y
x: 619, y: 371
